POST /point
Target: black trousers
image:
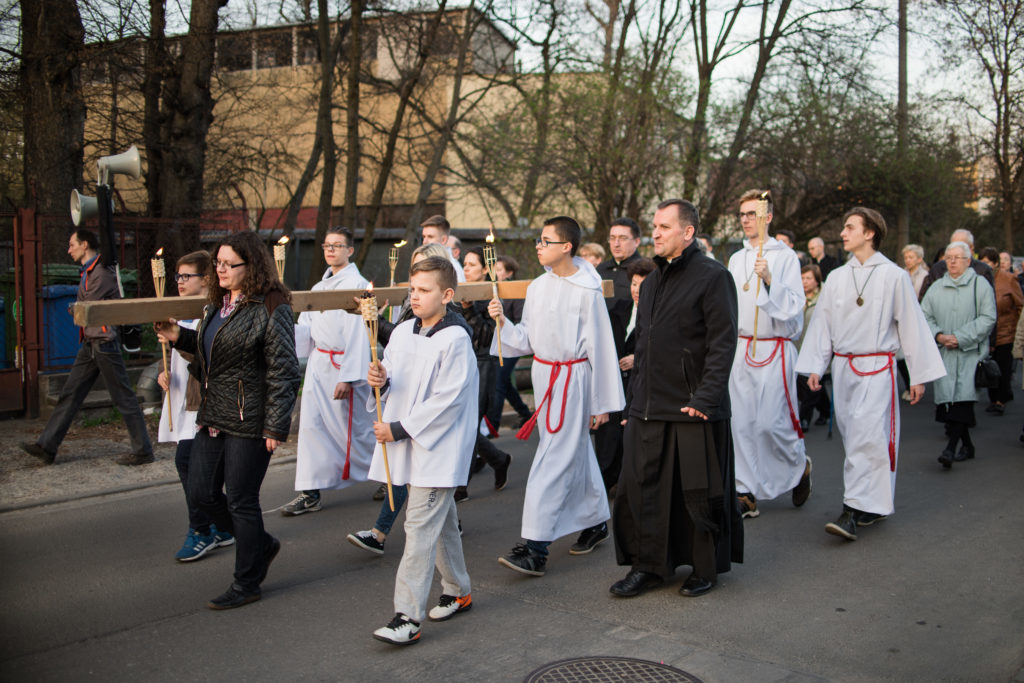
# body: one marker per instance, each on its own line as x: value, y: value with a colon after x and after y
x: 198, y: 520
x: 237, y: 465
x: 1003, y: 357
x: 809, y: 400
x: 97, y: 358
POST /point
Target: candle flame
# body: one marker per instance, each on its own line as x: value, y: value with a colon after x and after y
x: 160, y: 251
x: 369, y: 288
x: 490, y: 238
x: 399, y: 245
x: 283, y: 240
x: 764, y: 195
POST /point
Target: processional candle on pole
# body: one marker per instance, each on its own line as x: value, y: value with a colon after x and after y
x: 393, y: 259
x: 491, y: 260
x: 159, y: 279
x: 762, y: 224
x: 279, y: 256
x: 368, y: 309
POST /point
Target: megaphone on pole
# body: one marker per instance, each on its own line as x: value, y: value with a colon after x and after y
x: 126, y: 163
x: 83, y: 207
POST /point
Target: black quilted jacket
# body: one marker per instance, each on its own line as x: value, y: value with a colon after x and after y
x: 249, y: 386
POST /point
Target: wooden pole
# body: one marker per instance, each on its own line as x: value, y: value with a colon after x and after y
x: 368, y: 309
x: 159, y: 277
x: 491, y: 260
x: 762, y: 225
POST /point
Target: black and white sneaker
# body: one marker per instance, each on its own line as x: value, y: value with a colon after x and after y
x: 367, y: 541
x: 401, y: 630
x: 589, y: 539
x: 302, y: 504
x: 868, y: 518
x: 524, y: 561
x: 845, y: 526
x: 449, y: 605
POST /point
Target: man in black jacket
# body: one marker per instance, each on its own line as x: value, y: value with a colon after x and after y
x: 676, y: 496
x: 623, y: 240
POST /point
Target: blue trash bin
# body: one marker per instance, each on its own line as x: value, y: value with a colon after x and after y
x: 60, y: 334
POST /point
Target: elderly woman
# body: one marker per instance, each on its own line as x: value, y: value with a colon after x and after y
x: 913, y: 263
x: 811, y: 278
x: 1009, y: 301
x: 961, y: 311
x: 244, y: 358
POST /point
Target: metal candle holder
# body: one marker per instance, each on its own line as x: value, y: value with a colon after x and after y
x: 159, y: 280
x: 490, y: 260
x: 368, y: 309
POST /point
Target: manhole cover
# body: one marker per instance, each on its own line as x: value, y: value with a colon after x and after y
x: 600, y: 669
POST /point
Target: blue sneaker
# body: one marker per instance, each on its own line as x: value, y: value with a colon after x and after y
x: 195, y: 546
x: 221, y: 538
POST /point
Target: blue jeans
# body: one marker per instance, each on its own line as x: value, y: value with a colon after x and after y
x: 198, y: 520
x: 538, y: 547
x: 97, y: 358
x: 386, y: 518
x: 237, y: 465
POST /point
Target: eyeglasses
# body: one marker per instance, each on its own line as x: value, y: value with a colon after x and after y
x: 334, y: 246
x: 224, y: 265
x: 184, y: 277
x: 746, y: 214
x: 543, y: 242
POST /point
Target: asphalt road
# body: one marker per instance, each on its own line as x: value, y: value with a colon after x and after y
x: 90, y: 589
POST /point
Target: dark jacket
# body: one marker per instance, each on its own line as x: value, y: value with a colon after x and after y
x: 98, y: 283
x: 686, y: 331
x: 482, y: 328
x: 250, y: 382
x: 620, y: 306
x: 826, y: 265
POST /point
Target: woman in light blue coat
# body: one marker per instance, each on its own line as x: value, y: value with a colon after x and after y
x: 961, y: 311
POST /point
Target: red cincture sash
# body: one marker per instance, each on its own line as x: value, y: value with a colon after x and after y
x: 348, y: 444
x: 556, y: 368
x: 892, y: 399
x: 779, y: 341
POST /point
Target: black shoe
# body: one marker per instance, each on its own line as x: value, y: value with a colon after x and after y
x: 990, y: 408
x: 523, y: 419
x: 461, y: 494
x: 134, y: 459
x: 381, y: 493
x: 501, y: 473
x: 232, y: 598
x: 805, y: 425
x: 269, y: 553
x: 845, y: 526
x: 696, y: 586
x: 965, y: 453
x: 822, y: 420
x: 998, y: 409
x: 635, y: 583
x: 476, y: 464
x: 947, y: 458
x: 34, y: 449
x: 589, y: 539
x: 802, y: 491
x: 524, y: 561
x: 868, y: 518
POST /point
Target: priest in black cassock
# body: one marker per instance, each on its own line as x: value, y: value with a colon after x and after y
x: 676, y: 497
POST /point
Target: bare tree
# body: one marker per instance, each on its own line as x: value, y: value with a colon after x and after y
x: 991, y: 40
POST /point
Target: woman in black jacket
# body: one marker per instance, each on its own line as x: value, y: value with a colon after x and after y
x: 244, y: 359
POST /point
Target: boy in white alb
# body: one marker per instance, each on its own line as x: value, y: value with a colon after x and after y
x: 576, y: 375
x: 429, y: 381
x: 181, y: 403
x: 335, y: 434
x: 867, y: 311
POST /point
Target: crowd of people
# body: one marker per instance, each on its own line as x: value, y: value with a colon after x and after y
x: 665, y: 412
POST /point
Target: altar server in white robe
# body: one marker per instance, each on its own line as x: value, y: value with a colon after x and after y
x: 576, y: 383
x: 335, y: 432
x: 770, y: 455
x: 866, y: 312
x: 429, y: 384
x: 181, y: 403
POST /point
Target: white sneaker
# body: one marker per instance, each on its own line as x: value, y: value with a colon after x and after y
x: 400, y: 631
x: 449, y: 605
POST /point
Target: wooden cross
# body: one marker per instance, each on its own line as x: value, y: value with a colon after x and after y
x: 137, y: 311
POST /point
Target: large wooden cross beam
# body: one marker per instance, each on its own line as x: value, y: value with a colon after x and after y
x: 137, y: 311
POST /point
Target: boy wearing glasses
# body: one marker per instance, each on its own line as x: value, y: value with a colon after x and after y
x: 335, y: 432
x: 181, y: 406
x: 576, y: 379
x: 770, y: 455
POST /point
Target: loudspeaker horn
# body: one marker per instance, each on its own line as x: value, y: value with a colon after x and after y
x: 83, y: 207
x: 127, y: 163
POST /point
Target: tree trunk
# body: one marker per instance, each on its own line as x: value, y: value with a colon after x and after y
x: 903, y: 217
x: 53, y: 110
x: 155, y: 68
x: 325, y: 135
x: 354, y: 149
